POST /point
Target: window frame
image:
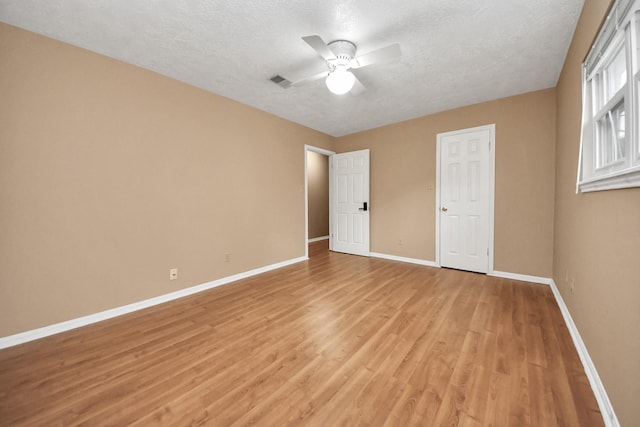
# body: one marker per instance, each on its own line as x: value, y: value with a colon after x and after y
x: 621, y: 30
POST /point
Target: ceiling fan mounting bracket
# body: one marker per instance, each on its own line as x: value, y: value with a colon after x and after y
x: 344, y: 51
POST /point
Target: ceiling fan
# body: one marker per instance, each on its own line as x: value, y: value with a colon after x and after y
x: 340, y: 57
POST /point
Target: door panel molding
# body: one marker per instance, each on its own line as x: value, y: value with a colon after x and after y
x: 475, y: 192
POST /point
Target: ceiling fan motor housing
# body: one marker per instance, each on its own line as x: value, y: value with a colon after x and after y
x: 344, y: 50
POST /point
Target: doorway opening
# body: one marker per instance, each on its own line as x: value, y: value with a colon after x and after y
x: 316, y: 182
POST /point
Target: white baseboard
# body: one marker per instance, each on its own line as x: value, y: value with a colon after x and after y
x: 317, y: 239
x: 404, y: 259
x: 57, y: 328
x: 608, y: 414
x: 522, y: 277
x: 503, y: 274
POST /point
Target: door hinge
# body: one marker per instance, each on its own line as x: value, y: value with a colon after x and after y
x: 487, y: 251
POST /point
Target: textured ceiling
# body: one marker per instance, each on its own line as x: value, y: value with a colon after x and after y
x: 455, y: 53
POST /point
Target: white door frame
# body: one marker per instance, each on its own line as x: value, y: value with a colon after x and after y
x: 327, y: 153
x: 492, y: 161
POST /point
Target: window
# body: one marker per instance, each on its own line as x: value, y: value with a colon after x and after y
x: 610, y: 141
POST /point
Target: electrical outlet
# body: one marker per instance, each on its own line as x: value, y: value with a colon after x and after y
x: 572, y: 285
x: 227, y: 257
x: 173, y: 274
x: 400, y: 242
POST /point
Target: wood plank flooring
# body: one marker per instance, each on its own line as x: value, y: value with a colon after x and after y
x: 336, y: 340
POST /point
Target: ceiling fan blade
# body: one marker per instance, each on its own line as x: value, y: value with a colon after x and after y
x: 310, y: 79
x: 391, y: 53
x: 357, y: 88
x: 320, y: 46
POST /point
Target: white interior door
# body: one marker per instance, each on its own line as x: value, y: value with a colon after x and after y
x: 350, y: 202
x: 465, y: 196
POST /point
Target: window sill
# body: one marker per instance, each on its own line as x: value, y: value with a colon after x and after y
x: 624, y: 179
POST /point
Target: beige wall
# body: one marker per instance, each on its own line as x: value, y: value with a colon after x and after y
x: 110, y: 175
x: 318, y: 194
x: 403, y: 177
x: 597, y: 242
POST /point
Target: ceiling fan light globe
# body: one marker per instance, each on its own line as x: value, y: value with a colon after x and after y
x: 340, y: 81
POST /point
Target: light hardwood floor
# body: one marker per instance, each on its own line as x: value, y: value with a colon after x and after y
x: 337, y: 340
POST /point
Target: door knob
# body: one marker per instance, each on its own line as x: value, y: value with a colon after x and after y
x: 444, y: 209
x: 364, y: 207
